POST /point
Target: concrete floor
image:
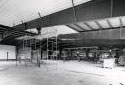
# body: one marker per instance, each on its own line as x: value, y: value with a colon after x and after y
x: 60, y: 73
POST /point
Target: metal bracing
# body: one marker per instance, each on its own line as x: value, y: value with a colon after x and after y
x: 109, y: 24
x: 72, y: 28
x: 98, y: 24
x: 80, y: 27
x: 100, y: 27
x: 88, y: 26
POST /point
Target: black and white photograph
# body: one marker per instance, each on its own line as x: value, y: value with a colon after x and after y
x: 62, y: 42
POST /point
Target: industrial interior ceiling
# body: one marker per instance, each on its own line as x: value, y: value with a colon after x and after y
x: 102, y: 24
x: 14, y: 12
x: 61, y: 29
x: 52, y: 31
x: 115, y: 22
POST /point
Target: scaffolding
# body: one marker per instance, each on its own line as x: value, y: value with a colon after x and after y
x: 52, y: 45
x: 32, y: 48
x: 50, y: 52
x: 29, y: 52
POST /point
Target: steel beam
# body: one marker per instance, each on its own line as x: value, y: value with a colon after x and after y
x: 95, y: 9
x: 88, y: 26
x: 73, y: 28
x: 106, y: 34
x: 109, y: 24
x: 80, y: 27
x: 98, y: 24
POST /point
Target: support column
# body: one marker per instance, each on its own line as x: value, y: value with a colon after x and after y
x: 39, y: 30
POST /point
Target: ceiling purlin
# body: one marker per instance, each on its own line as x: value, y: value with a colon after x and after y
x: 72, y: 28
x: 18, y: 34
x: 109, y: 24
x: 121, y: 22
x: 12, y: 36
x: 88, y: 25
x: 80, y: 27
x: 98, y: 24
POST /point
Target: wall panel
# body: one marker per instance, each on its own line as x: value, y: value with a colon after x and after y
x: 11, y: 52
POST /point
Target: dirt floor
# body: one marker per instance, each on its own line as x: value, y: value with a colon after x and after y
x: 60, y: 73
